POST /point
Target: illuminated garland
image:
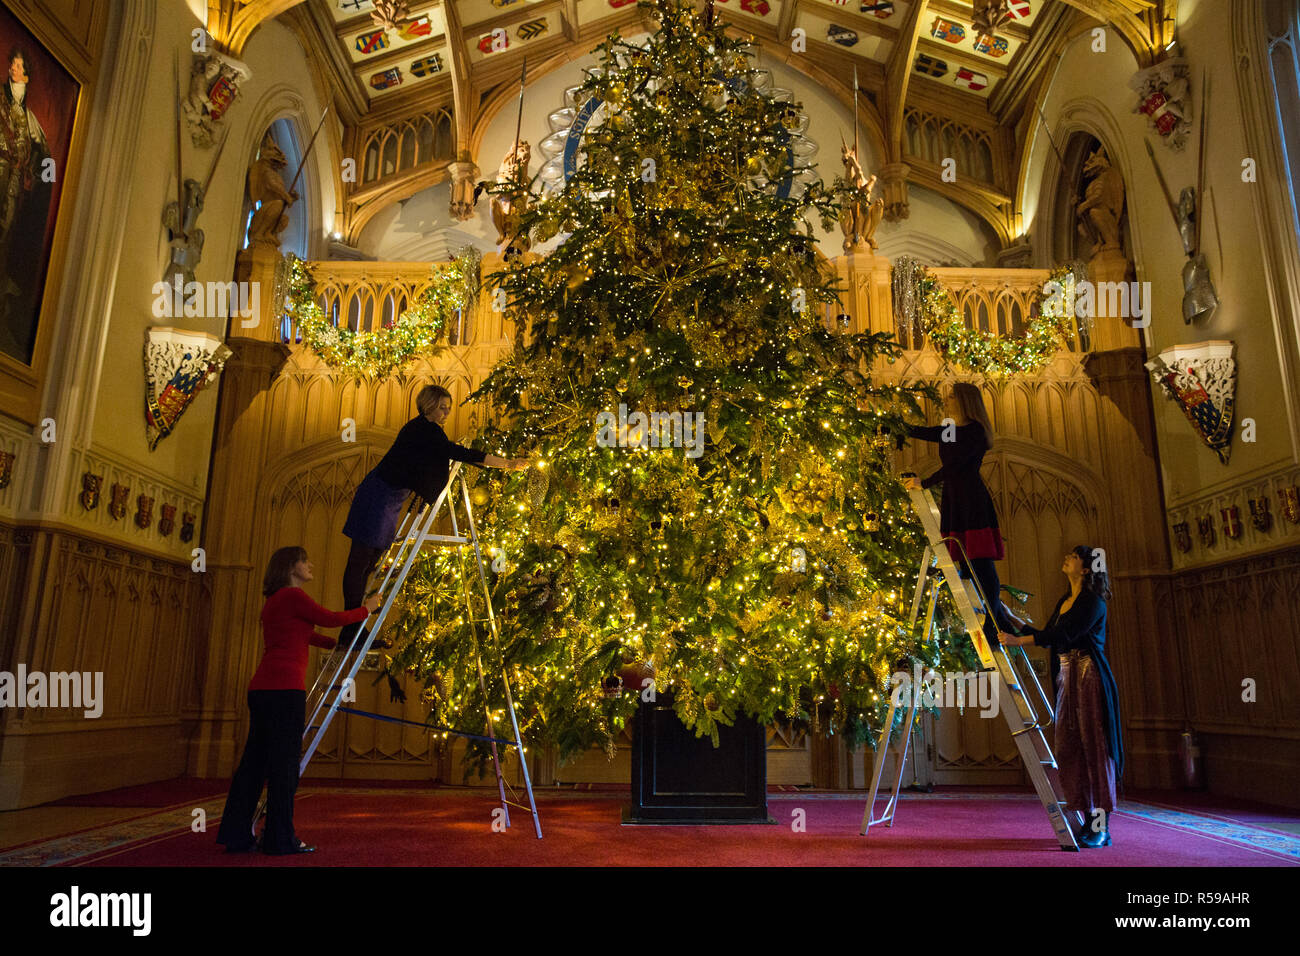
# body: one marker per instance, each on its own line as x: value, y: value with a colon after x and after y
x: 382, y: 352
x: 945, y: 326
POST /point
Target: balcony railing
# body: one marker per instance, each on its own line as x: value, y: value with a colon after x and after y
x: 999, y: 301
x: 367, y: 296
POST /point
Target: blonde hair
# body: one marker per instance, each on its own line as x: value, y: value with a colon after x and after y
x: 971, y: 403
x: 429, y: 398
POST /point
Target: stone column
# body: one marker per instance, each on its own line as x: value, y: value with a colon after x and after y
x: 1141, y: 643
x: 228, y: 633
x: 867, y: 297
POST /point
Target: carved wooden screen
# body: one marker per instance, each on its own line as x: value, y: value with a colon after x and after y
x: 1043, y: 512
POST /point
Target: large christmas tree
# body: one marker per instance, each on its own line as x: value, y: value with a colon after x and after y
x: 758, y: 564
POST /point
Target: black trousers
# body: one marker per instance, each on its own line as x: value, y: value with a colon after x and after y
x: 986, y: 573
x: 270, y: 757
x: 362, y: 562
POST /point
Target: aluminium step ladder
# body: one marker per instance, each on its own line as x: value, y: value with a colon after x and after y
x: 1022, y: 718
x: 337, y: 676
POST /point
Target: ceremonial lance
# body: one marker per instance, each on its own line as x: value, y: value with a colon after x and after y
x: 307, y: 152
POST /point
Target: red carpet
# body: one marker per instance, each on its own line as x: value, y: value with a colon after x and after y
x: 451, y: 827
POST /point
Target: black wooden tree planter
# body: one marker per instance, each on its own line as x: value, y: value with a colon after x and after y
x: 680, y: 778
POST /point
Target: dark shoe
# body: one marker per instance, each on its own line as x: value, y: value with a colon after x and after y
x: 300, y: 848
x: 246, y: 848
x: 1093, y: 839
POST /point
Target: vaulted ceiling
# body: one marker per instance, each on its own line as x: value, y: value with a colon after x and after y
x: 415, y: 97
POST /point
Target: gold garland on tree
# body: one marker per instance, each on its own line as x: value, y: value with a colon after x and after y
x: 380, y: 353
x: 945, y: 326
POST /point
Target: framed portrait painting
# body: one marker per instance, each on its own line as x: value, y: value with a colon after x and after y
x: 38, y: 105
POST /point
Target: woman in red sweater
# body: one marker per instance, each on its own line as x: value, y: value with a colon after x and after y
x: 277, y: 701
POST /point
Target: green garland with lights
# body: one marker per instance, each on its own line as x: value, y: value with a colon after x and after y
x: 996, y: 355
x: 379, y: 353
x: 771, y: 573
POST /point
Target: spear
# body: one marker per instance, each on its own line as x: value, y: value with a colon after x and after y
x: 1047, y: 129
x: 180, y: 178
x: 307, y: 152
x: 855, y: 112
x: 1169, y: 197
x: 519, y: 119
x: 1200, y: 156
x: 215, y: 157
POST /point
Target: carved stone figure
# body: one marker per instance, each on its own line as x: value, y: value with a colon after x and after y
x: 988, y: 15
x: 861, y: 215
x: 1103, y: 203
x: 266, y: 186
x: 508, y: 207
x: 214, y: 84
x: 390, y: 14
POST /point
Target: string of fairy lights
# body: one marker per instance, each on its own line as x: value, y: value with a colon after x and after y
x: 414, y: 333
x: 1048, y: 327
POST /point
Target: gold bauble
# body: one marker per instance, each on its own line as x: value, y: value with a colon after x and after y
x: 479, y: 497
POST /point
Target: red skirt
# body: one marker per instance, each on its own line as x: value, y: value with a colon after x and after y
x: 978, y: 542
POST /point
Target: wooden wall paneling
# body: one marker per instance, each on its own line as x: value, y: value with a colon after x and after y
x: 95, y: 606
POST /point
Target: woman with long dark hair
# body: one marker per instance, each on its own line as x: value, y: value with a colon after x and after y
x: 418, y: 461
x: 966, y: 510
x: 1089, y: 748
x: 277, y: 701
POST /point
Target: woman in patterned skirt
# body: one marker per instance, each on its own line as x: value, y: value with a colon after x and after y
x: 1089, y: 748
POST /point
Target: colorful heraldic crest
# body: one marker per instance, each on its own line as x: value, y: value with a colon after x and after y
x: 1162, y: 97
x: 178, y: 364
x: 1202, y: 379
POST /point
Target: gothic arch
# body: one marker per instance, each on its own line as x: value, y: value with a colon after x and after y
x: 319, y: 186
x: 1087, y: 115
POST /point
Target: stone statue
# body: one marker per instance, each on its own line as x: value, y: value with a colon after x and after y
x: 183, y: 234
x: 1103, y: 203
x: 214, y: 84
x: 266, y: 186
x: 508, y: 207
x: 861, y: 214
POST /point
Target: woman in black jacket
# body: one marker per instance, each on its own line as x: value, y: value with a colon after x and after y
x: 966, y: 511
x: 1089, y: 748
x: 419, y: 461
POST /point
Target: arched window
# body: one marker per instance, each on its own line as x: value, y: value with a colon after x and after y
x: 1280, y: 20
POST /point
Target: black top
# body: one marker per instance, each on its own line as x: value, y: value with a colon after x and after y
x: 1083, y: 628
x: 420, y: 458
x: 966, y: 504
